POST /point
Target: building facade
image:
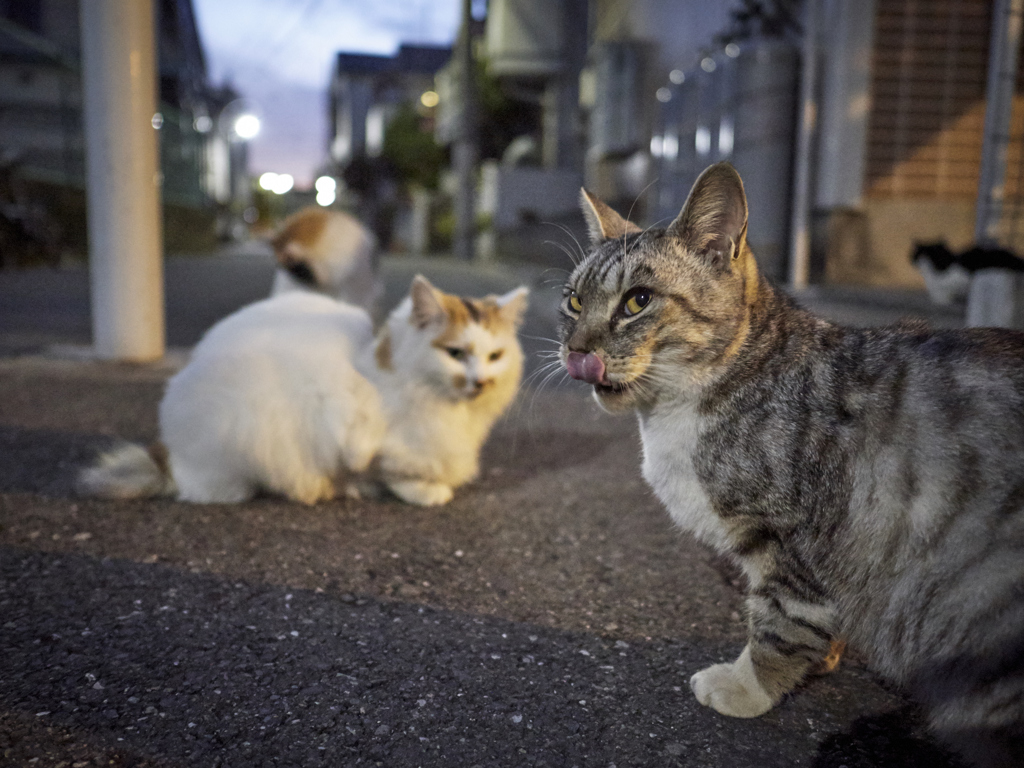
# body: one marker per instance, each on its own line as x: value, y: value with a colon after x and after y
x: 42, y: 148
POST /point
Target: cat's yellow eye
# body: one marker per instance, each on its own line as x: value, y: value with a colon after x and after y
x: 637, y: 300
x: 574, y: 302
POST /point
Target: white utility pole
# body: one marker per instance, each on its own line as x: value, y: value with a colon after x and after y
x: 800, y: 224
x: 123, y: 179
x: 996, y: 296
x: 465, y: 149
x: 1004, y: 50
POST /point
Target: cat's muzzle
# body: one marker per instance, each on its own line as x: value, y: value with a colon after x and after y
x: 590, y: 368
x: 586, y: 367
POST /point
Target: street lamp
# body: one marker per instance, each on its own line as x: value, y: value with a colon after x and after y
x: 326, y: 190
x: 246, y: 126
x: 236, y: 125
x: 278, y: 183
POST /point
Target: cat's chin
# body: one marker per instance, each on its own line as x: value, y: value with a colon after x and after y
x: 616, y: 398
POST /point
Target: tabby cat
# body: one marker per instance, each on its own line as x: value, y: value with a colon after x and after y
x: 869, y: 482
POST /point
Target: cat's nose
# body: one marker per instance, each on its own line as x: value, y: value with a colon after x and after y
x: 479, y: 385
x: 585, y: 367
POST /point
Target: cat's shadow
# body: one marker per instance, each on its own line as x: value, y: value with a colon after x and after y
x: 48, y: 461
x: 884, y: 740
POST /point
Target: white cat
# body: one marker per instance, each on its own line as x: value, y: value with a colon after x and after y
x: 327, y: 251
x: 290, y: 393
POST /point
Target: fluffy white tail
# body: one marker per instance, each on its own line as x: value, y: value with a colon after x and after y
x: 128, y: 472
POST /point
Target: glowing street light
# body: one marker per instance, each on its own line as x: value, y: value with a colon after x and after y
x: 326, y: 190
x: 247, y: 126
x: 430, y: 99
x: 284, y: 183
x: 278, y: 183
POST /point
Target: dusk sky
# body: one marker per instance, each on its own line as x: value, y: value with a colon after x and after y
x: 278, y: 54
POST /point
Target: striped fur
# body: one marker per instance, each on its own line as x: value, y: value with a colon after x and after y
x: 870, y: 482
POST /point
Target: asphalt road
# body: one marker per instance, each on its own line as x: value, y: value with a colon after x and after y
x: 549, y: 616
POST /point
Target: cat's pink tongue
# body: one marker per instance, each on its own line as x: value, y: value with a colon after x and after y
x: 585, y: 367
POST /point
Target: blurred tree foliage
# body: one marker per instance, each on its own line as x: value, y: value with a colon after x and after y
x: 502, y: 117
x: 410, y: 147
x: 409, y: 137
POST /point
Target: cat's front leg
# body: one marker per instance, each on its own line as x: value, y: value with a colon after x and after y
x: 421, y: 492
x: 788, y: 638
x: 361, y: 440
x: 732, y: 689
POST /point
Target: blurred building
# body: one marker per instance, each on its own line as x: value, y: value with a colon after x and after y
x: 594, y: 67
x: 537, y: 51
x: 734, y: 98
x: 895, y: 154
x: 41, y: 138
x: 366, y: 90
x: 902, y: 104
x: 666, y: 87
x: 367, y: 94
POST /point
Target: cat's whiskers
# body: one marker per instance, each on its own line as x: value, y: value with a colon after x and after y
x: 638, y: 196
x: 553, y: 281
x: 564, y: 249
x: 658, y: 223
x: 563, y: 270
x: 556, y: 342
x: 548, y: 368
x: 582, y: 251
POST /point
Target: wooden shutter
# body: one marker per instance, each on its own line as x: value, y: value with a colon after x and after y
x: 929, y: 66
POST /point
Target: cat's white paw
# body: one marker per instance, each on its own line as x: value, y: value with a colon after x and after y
x: 421, y: 493
x: 731, y: 689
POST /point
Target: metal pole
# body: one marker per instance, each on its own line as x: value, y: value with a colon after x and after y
x: 122, y: 178
x: 465, y: 150
x: 800, y: 241
x: 1002, y: 74
x: 562, y: 145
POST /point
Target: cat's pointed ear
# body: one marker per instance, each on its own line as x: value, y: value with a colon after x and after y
x: 426, y: 303
x: 513, y: 304
x: 713, y: 221
x: 602, y: 222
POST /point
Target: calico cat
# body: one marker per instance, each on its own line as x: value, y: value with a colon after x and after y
x: 327, y: 251
x: 287, y: 393
x: 869, y: 482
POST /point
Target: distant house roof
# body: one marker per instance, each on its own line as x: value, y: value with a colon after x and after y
x: 422, y: 58
x: 419, y: 59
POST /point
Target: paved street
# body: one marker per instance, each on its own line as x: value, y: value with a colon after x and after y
x: 549, y: 616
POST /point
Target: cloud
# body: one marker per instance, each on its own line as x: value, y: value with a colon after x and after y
x: 298, y: 41
x: 278, y: 54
